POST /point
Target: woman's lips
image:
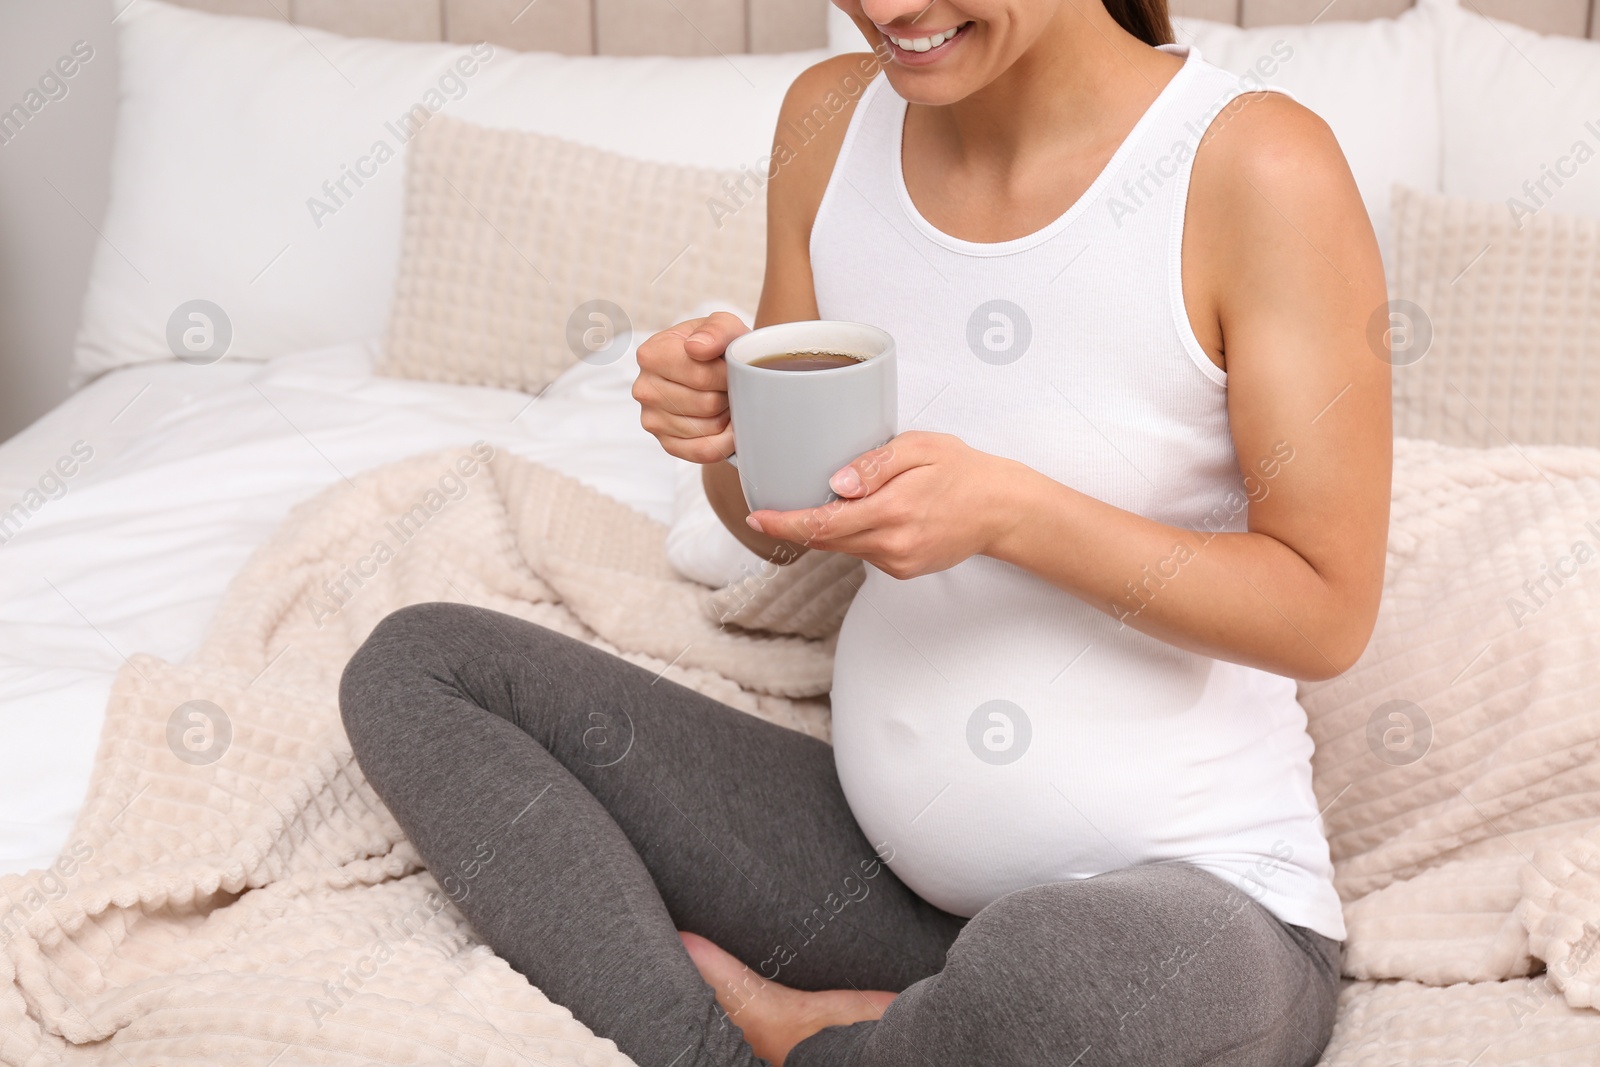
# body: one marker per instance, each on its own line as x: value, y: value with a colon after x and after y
x: 921, y: 50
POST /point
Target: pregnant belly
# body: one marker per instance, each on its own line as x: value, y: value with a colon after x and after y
x: 963, y: 836
x: 1037, y: 744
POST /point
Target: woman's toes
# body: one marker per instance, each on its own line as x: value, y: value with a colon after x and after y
x: 773, y: 1017
x: 735, y: 985
x: 716, y: 966
x: 879, y: 999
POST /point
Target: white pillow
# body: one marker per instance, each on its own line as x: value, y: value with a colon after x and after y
x: 1519, y: 107
x: 699, y: 547
x: 1374, y: 83
x: 229, y: 128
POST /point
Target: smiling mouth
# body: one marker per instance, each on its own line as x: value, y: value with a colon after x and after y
x: 929, y: 43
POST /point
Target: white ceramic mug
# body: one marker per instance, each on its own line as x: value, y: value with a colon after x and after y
x: 793, y: 429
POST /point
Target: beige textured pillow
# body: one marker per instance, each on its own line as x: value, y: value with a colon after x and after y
x: 1468, y: 734
x: 1515, y: 324
x: 523, y: 253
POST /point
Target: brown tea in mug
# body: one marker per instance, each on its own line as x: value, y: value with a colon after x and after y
x: 806, y: 361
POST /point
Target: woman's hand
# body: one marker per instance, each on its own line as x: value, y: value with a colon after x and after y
x: 922, y: 503
x: 682, y: 387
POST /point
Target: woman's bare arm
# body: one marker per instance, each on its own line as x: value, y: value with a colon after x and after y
x: 793, y: 196
x: 1280, y: 257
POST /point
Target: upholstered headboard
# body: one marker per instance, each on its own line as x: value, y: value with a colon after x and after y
x: 707, y: 27
x: 1574, y: 18
x: 576, y: 27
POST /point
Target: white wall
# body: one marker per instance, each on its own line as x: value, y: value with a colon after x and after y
x: 47, y: 235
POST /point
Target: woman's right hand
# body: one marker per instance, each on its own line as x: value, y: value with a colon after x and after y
x: 682, y: 388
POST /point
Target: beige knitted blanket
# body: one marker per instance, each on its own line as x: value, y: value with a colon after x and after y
x: 234, y: 893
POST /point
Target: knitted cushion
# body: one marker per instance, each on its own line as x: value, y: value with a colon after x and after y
x: 809, y: 597
x: 1561, y: 910
x: 524, y: 253
x: 1500, y: 324
x: 1468, y: 734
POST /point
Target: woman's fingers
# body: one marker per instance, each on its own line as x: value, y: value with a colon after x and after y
x: 869, y: 471
x: 833, y: 520
x: 665, y: 355
x: 710, y: 338
x: 664, y: 423
x: 676, y: 398
x: 682, y: 388
x: 711, y: 449
x: 869, y: 510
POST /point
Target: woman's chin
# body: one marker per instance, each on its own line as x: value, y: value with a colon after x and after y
x: 932, y: 89
x: 939, y: 76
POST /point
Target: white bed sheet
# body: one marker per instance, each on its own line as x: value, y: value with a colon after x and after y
x: 193, y: 469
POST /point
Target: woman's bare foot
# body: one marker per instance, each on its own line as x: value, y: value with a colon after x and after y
x: 774, y: 1017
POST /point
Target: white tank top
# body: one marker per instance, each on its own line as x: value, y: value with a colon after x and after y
x: 991, y: 731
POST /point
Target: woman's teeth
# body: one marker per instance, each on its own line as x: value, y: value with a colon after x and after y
x: 923, y: 44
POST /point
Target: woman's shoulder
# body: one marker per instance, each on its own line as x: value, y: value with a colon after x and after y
x: 1270, y: 180
x: 1275, y: 220
x: 812, y: 124
x: 1268, y: 143
x: 817, y: 110
x: 843, y: 76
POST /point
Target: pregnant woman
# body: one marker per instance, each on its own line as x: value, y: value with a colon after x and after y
x: 1141, y: 486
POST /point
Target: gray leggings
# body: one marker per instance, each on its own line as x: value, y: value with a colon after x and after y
x: 580, y: 812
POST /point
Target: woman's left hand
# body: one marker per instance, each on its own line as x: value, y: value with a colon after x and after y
x: 922, y: 503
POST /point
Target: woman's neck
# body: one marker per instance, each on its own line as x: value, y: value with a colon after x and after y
x: 1082, y: 84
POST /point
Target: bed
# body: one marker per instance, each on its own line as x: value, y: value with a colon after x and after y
x: 191, y: 470
x: 140, y: 499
